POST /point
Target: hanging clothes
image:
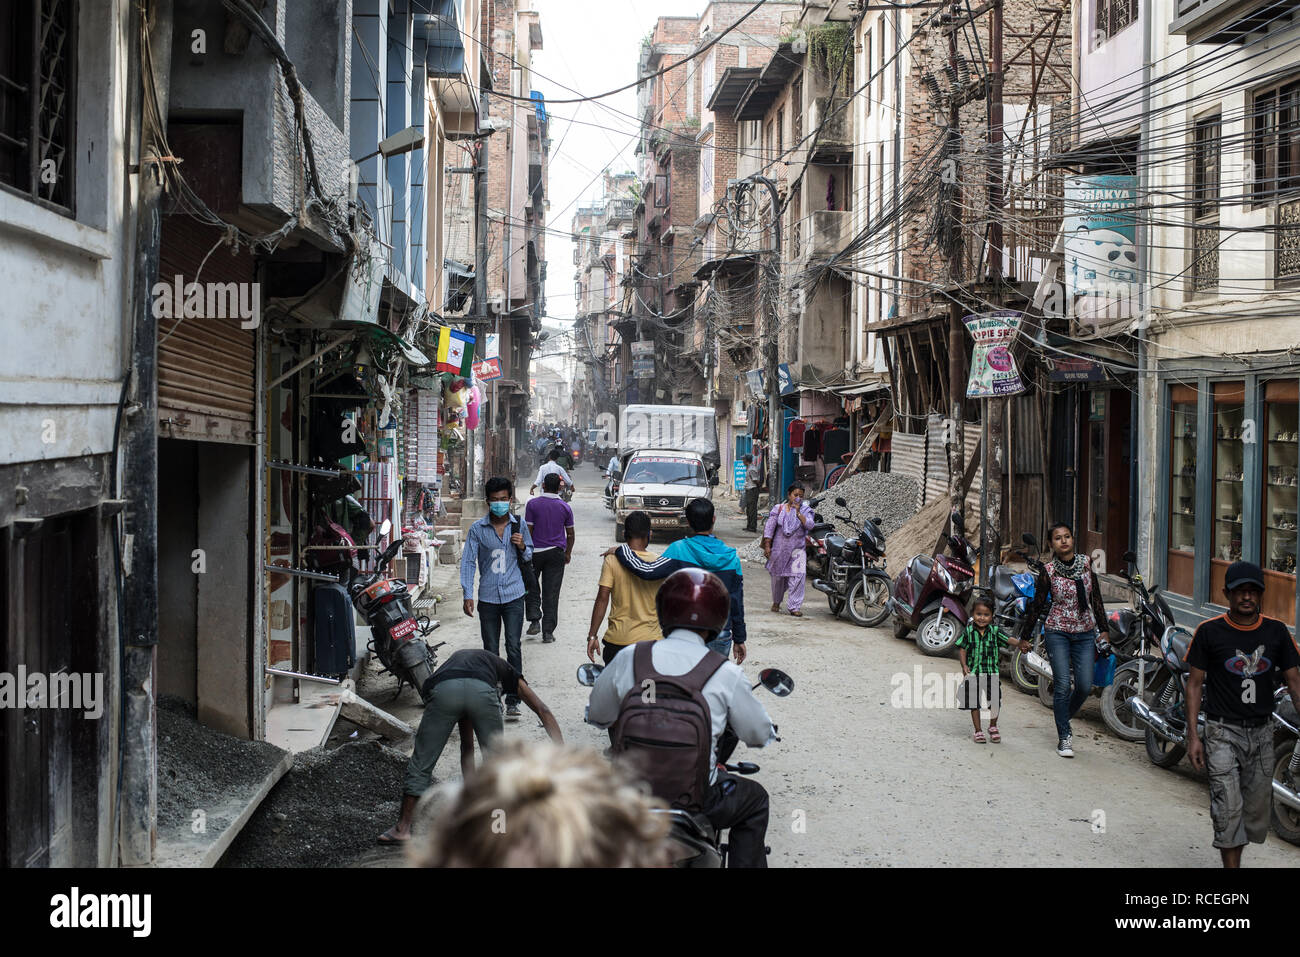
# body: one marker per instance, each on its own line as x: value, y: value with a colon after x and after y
x: 797, y: 428
x: 812, y: 442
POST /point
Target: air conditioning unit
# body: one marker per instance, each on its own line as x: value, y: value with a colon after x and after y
x: 497, y: 300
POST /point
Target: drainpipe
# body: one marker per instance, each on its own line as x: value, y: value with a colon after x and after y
x: 138, y: 782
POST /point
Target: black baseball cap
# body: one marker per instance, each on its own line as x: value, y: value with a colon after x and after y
x: 1243, y: 573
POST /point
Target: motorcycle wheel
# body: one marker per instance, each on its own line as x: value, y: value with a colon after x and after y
x: 936, y: 637
x: 1286, y: 821
x: 1115, y: 710
x: 868, y: 602
x: 836, y: 603
x: 1046, y: 692
x: 900, y: 629
x: 1163, y: 754
x: 1024, y: 679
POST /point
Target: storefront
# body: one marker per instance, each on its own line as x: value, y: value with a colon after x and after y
x: 1230, y: 446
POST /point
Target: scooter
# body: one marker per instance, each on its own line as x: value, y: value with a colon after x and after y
x: 929, y: 595
x: 856, y: 579
x: 699, y: 843
x: 385, y: 603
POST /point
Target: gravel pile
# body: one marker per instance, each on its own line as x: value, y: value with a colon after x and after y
x: 202, y: 768
x: 326, y: 812
x: 883, y: 495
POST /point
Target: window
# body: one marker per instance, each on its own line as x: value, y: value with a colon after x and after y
x: 780, y: 133
x: 1182, y: 488
x: 866, y: 185
x: 796, y: 112
x: 37, y: 99
x: 1112, y: 17
x: 880, y: 79
x: 1206, y: 148
x: 1275, y: 147
x: 866, y: 49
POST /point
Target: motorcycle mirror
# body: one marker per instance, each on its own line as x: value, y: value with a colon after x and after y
x: 776, y: 681
x: 588, y: 673
x: 385, y: 528
x: 1130, y: 557
x: 816, y: 500
x: 745, y: 767
x: 877, y: 522
x: 1030, y: 541
x: 841, y: 502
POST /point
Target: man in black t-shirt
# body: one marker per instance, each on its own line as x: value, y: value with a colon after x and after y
x: 462, y: 693
x: 1237, y: 661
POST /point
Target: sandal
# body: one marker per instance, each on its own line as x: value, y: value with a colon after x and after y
x: 776, y: 607
x: 993, y: 734
x: 797, y: 614
x: 979, y: 737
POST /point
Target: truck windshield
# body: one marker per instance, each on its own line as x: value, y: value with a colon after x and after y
x: 663, y: 470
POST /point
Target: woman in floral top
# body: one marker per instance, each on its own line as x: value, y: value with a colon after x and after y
x: 1070, y: 629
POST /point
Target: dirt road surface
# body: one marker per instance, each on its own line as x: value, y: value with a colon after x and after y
x: 856, y: 780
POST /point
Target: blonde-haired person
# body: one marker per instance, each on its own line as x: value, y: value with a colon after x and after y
x: 547, y: 805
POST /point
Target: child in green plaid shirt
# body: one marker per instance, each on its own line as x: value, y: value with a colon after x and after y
x: 979, y: 649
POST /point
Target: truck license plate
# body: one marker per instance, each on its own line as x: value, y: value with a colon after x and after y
x: 665, y: 521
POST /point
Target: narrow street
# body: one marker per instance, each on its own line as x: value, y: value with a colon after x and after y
x: 856, y: 781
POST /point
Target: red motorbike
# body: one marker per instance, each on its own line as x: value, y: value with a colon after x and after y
x: 930, y: 593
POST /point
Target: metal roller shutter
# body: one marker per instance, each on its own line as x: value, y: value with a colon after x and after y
x: 206, y: 366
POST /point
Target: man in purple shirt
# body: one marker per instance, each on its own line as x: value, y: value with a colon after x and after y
x: 550, y: 522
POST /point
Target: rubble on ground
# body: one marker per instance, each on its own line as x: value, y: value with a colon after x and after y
x: 327, y: 811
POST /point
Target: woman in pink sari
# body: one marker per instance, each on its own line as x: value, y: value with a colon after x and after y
x: 783, y: 544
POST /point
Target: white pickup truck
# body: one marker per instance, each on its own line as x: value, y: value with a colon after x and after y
x: 668, y: 455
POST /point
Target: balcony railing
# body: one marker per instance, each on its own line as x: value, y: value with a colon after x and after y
x: 836, y: 124
x: 1227, y: 21
x: 1287, y: 258
x: 1205, y: 247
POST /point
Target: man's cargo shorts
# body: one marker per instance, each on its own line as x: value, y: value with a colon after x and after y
x: 1240, y: 762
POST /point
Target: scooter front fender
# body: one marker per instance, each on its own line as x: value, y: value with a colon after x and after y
x: 955, y: 608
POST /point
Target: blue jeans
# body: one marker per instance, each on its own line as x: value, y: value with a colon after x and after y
x: 490, y: 619
x: 1070, y: 652
x: 722, y: 643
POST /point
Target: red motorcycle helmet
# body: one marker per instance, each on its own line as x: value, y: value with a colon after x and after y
x: 693, y: 598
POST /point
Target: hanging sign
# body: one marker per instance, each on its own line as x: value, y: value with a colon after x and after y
x: 488, y: 369
x: 993, y: 369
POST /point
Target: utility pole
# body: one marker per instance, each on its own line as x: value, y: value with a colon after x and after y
x: 473, y: 480
x: 771, y: 338
x: 994, y: 408
x: 956, y: 433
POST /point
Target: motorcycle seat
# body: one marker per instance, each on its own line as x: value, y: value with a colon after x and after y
x: 920, y: 569
x: 819, y: 529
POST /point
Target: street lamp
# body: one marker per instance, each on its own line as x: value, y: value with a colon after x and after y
x: 403, y: 141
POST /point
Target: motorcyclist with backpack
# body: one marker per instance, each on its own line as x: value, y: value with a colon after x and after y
x: 670, y: 727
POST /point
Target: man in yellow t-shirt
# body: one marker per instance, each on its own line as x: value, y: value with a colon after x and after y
x: 630, y: 600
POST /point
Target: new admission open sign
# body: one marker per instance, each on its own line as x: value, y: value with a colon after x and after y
x: 993, y: 369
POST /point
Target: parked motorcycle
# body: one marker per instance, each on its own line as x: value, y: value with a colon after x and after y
x: 1165, y: 720
x: 1141, y: 674
x: 1286, y: 769
x: 385, y: 603
x: 699, y: 844
x: 856, y: 581
x: 929, y: 595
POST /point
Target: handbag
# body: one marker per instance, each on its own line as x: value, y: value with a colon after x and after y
x: 1038, y: 664
x: 979, y: 693
x: 1103, y: 673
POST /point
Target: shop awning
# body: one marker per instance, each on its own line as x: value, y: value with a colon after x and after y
x: 875, y: 383
x: 411, y: 354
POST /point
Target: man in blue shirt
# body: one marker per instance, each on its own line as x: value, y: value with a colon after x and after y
x: 495, y: 545
x: 701, y: 549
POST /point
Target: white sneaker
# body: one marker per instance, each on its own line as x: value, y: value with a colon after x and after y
x: 1064, y: 748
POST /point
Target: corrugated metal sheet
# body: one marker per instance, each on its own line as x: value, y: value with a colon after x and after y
x: 205, y: 365
x: 909, y: 456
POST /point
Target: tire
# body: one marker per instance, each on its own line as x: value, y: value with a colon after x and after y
x: 618, y: 532
x: 1046, y: 693
x: 1162, y: 753
x: 900, y: 630
x: 1024, y: 679
x: 941, y: 643
x: 1114, y: 700
x: 868, y: 601
x: 836, y: 603
x: 833, y: 476
x: 1285, y: 820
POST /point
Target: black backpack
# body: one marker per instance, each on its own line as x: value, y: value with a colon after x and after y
x: 667, y: 736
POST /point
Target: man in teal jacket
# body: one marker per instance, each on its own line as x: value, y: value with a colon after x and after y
x: 700, y: 549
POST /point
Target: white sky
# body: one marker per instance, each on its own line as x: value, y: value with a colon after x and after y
x: 589, y: 46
